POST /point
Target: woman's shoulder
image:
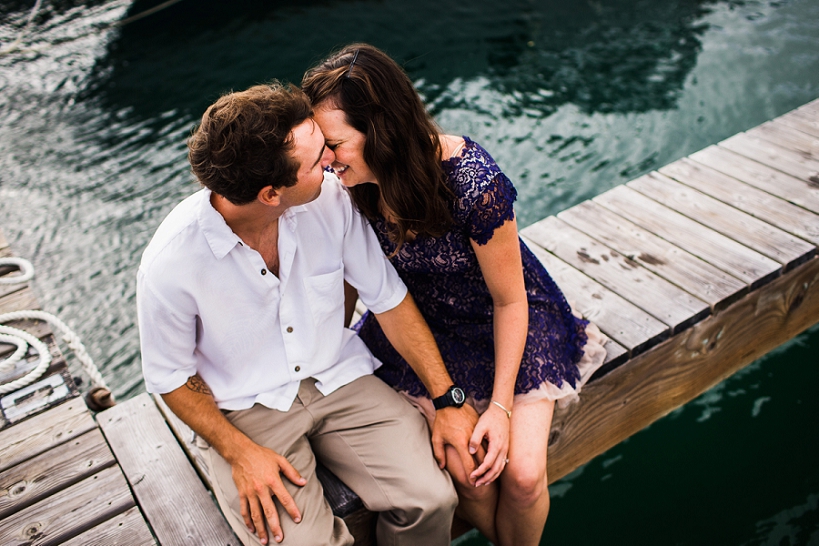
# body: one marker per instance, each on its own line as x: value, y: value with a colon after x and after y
x: 471, y: 156
x: 451, y: 146
x: 456, y: 149
x: 484, y: 196
x: 472, y: 170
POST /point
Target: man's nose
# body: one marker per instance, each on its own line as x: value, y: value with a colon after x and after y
x: 328, y: 157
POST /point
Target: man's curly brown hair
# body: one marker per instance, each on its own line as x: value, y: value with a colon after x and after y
x: 245, y: 140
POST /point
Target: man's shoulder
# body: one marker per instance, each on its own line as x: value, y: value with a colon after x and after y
x: 174, y: 233
x: 333, y: 203
x: 333, y: 191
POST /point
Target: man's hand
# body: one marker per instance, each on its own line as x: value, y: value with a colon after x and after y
x: 257, y: 473
x: 256, y: 470
x: 454, y: 426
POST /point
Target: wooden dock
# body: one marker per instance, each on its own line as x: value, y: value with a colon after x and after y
x: 693, y: 271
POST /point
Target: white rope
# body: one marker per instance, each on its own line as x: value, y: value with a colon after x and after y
x: 23, y: 340
x: 26, y: 270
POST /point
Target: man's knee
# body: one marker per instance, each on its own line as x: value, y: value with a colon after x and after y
x: 445, y: 499
x: 436, y: 495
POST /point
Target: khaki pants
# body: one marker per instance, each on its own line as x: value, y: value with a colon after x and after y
x: 369, y: 437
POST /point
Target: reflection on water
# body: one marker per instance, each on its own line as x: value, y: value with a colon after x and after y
x: 571, y: 98
x: 600, y: 56
x: 607, y: 56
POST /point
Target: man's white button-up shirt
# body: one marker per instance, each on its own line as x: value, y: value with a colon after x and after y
x: 207, y: 303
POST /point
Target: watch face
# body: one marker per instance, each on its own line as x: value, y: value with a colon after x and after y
x: 458, y: 395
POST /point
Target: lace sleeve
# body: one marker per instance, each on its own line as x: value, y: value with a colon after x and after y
x: 484, y: 195
x: 492, y: 208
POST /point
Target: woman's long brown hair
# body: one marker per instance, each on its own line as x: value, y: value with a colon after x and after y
x: 402, y: 147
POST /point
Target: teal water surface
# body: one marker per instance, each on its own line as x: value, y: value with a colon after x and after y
x: 571, y: 98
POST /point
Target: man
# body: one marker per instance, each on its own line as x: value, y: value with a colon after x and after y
x: 241, y: 314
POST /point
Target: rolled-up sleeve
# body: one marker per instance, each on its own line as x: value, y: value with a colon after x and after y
x: 168, y: 339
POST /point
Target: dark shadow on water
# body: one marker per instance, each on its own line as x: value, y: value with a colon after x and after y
x: 603, y: 56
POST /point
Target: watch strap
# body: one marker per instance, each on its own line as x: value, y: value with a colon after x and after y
x: 448, y: 399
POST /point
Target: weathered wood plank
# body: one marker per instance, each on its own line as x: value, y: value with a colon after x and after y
x: 761, y: 176
x: 766, y: 239
x: 70, y: 512
x: 695, y: 276
x: 186, y: 438
x: 809, y: 111
x: 802, y: 120
x: 43, y: 432
x: 654, y: 295
x: 754, y: 201
x: 126, y: 529
x: 616, y: 355
x: 773, y: 155
x: 5, y: 289
x: 718, y: 250
x: 19, y: 300
x: 627, y: 400
x: 812, y: 106
x: 52, y: 389
x: 172, y: 497
x: 32, y: 480
x: 616, y: 317
x: 787, y: 137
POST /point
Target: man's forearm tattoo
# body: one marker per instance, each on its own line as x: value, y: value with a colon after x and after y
x: 196, y: 384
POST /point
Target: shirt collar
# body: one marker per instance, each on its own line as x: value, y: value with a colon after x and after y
x: 289, y: 216
x: 218, y: 234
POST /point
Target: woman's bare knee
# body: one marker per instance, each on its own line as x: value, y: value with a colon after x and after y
x: 524, y: 484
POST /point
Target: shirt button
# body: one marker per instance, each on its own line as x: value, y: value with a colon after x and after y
x: 298, y: 368
x: 289, y: 329
x: 264, y: 271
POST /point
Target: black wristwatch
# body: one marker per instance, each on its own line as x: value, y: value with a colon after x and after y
x: 454, y: 396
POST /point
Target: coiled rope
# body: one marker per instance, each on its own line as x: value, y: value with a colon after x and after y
x: 100, y: 395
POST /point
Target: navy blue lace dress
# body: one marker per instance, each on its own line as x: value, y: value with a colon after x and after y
x: 444, y: 278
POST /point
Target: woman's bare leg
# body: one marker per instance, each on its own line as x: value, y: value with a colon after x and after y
x: 476, y: 505
x: 523, y: 501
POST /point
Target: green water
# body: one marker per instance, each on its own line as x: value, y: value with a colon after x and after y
x: 572, y: 98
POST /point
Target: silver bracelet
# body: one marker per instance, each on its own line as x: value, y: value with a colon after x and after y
x: 508, y: 412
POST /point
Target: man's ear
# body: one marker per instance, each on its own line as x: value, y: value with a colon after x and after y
x: 269, y: 196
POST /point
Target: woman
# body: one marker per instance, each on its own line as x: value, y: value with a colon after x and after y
x: 443, y: 213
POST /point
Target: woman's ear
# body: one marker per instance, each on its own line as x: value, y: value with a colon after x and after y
x: 270, y: 196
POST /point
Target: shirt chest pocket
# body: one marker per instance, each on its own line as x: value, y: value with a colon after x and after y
x: 325, y: 294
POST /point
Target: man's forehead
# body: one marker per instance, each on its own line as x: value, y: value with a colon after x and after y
x: 308, y: 142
